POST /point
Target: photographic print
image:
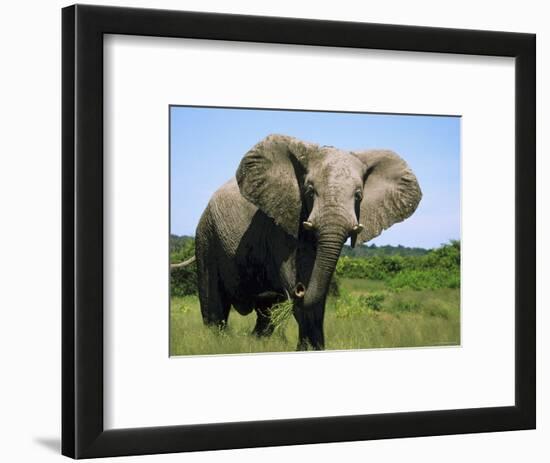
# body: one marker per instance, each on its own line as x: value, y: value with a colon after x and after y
x: 297, y: 230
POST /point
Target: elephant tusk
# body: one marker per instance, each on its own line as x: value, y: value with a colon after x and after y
x: 358, y: 228
x: 300, y: 291
x: 308, y: 225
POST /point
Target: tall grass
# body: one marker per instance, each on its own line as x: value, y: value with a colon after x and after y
x: 366, y: 314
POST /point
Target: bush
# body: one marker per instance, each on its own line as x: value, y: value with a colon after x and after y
x: 348, y: 304
x: 425, y: 279
x: 374, y: 268
x: 438, y: 268
x: 372, y: 301
x: 183, y: 280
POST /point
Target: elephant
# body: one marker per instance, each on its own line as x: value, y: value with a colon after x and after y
x: 275, y: 231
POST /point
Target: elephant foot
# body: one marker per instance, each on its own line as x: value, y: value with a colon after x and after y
x: 216, y: 325
x: 263, y: 328
x: 306, y: 344
x: 262, y: 333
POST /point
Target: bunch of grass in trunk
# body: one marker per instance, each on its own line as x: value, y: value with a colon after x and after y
x: 280, y: 313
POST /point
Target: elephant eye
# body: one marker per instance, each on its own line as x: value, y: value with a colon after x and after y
x: 358, y: 195
x: 308, y: 190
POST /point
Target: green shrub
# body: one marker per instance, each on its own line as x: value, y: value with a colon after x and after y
x: 345, y: 305
x: 183, y: 280
x: 425, y: 279
x: 372, y: 267
x: 349, y: 305
x: 372, y: 301
x: 438, y: 268
x: 181, y: 248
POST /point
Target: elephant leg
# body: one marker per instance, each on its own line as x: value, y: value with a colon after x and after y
x: 310, y: 329
x: 214, y: 303
x: 263, y: 327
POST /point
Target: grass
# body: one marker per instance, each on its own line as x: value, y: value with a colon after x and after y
x: 367, y: 314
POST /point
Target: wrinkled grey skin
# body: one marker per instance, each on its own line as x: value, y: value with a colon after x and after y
x: 253, y: 248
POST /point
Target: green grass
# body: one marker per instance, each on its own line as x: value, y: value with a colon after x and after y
x: 367, y: 314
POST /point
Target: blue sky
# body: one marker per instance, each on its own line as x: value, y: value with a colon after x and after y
x: 207, y: 145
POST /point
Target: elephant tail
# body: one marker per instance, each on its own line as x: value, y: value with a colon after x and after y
x: 185, y: 263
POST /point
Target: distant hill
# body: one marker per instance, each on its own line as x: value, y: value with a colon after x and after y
x: 387, y: 250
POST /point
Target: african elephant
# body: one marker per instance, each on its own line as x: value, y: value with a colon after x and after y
x: 276, y: 230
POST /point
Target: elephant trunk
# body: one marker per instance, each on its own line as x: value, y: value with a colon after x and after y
x: 312, y: 307
x: 329, y: 246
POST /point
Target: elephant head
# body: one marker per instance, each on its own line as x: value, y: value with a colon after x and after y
x: 324, y: 194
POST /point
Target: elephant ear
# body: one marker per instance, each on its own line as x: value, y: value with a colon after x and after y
x: 269, y: 176
x: 390, y: 194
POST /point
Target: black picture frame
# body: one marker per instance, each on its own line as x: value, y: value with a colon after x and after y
x: 83, y: 433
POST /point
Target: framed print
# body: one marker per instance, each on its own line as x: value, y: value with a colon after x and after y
x: 283, y: 231
x: 377, y: 292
